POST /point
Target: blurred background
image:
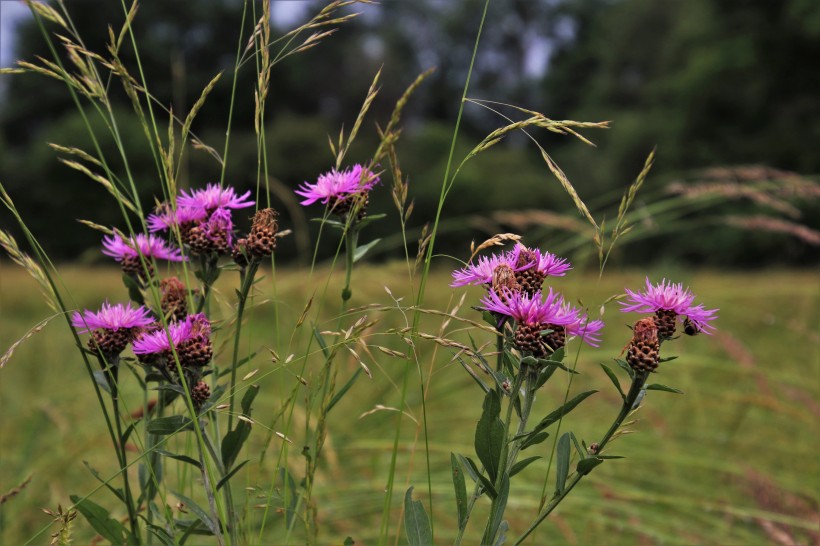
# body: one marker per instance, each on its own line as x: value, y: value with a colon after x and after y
x: 727, y: 90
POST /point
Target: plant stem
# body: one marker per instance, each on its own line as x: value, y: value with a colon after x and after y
x: 637, y: 384
x: 111, y: 371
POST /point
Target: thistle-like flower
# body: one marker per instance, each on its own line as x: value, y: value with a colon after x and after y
x: 164, y: 217
x: 587, y: 330
x: 525, y: 269
x: 213, y: 197
x: 127, y: 252
x: 340, y: 190
x: 190, y: 338
x: 213, y: 235
x: 533, y: 314
x: 535, y: 266
x: 112, y: 327
x: 671, y: 303
x: 483, y: 271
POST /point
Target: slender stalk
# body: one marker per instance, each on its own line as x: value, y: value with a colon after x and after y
x: 111, y: 372
x: 626, y: 409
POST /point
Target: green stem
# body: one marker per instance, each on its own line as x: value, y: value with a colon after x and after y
x: 111, y: 371
x: 637, y: 384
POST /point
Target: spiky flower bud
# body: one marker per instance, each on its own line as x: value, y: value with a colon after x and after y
x: 173, y: 300
x: 643, y: 352
x: 262, y: 239
x: 200, y: 394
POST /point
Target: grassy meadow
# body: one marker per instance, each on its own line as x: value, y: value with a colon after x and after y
x: 731, y: 462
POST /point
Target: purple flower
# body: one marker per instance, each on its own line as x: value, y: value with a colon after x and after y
x: 165, y: 218
x: 219, y: 227
x: 338, y: 185
x: 582, y: 327
x: 671, y: 298
x: 196, y: 328
x: 157, y: 342
x: 529, y: 309
x: 111, y: 317
x: 481, y: 272
x: 148, y: 245
x: 545, y: 264
x: 213, y: 197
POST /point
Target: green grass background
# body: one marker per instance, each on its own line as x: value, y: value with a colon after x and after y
x: 734, y: 461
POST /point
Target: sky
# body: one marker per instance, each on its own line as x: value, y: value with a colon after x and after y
x: 283, y: 12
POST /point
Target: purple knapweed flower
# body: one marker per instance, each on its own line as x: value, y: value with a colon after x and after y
x: 545, y: 264
x: 161, y: 341
x: 214, y: 197
x: 670, y: 302
x: 484, y: 270
x: 147, y: 245
x: 336, y: 185
x: 587, y: 330
x: 165, y: 218
x: 112, y: 327
x: 529, y: 309
x: 112, y: 317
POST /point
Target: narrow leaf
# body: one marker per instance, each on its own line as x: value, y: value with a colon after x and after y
x: 338, y: 396
x: 416, y: 522
x: 534, y: 439
x: 489, y: 435
x: 230, y: 474
x: 461, y: 491
x: 181, y: 458
x: 198, y: 511
x: 562, y: 411
x: 98, y: 517
x: 585, y: 466
x: 498, y: 507
x: 522, y: 464
x: 562, y: 470
x: 362, y: 250
x: 659, y: 387
x: 476, y: 473
x: 614, y: 379
x: 169, y: 425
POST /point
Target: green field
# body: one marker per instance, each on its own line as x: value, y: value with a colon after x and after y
x: 734, y: 461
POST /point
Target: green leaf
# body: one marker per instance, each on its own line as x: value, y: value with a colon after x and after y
x: 416, y: 522
x: 624, y: 365
x: 117, y: 492
x: 182, y: 458
x: 232, y: 442
x: 561, y: 412
x: 230, y: 474
x: 162, y: 535
x: 489, y: 435
x: 362, y: 250
x: 321, y: 341
x: 343, y: 390
x: 543, y: 362
x: 478, y: 476
x: 659, y: 387
x: 98, y: 517
x: 163, y: 426
x: 290, y: 497
x: 562, y: 469
x: 667, y: 359
x: 101, y: 378
x: 198, y: 511
x: 134, y: 288
x: 585, y: 466
x: 247, y: 399
x: 368, y: 219
x: 614, y: 379
x: 534, y: 439
x: 497, y: 510
x: 461, y: 491
x: 522, y: 464
x: 501, y: 537
x: 582, y: 453
x: 543, y: 376
x: 349, y: 542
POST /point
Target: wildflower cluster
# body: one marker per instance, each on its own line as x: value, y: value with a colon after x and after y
x: 542, y: 320
x: 670, y: 303
x: 174, y: 339
x: 344, y: 192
